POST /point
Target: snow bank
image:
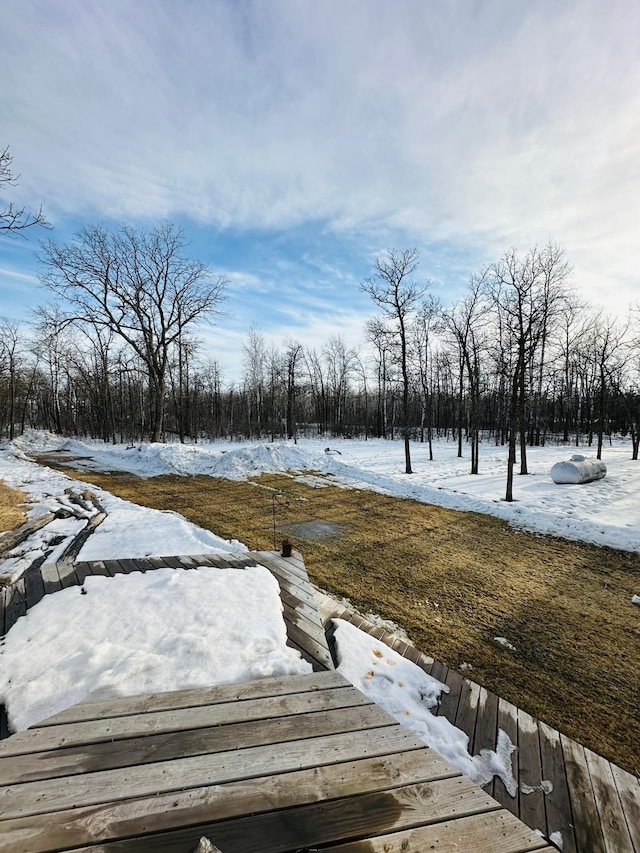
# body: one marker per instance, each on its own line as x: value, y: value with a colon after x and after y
x: 578, y: 470
x: 606, y: 514
x: 128, y: 531
x: 164, y: 630
x: 407, y: 693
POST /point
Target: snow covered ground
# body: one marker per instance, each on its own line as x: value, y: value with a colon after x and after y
x: 170, y: 628
x: 605, y: 512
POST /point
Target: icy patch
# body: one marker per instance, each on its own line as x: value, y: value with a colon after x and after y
x: 635, y: 599
x: 406, y: 692
x: 556, y: 838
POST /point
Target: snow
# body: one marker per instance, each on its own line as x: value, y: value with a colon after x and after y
x: 408, y: 694
x: 604, y: 512
x: 164, y: 630
x: 172, y: 628
x: 556, y: 838
x: 504, y: 642
x: 134, y: 531
x: 38, y: 546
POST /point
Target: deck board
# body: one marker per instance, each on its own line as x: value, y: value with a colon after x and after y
x: 592, y: 803
x: 306, y: 769
x: 305, y: 632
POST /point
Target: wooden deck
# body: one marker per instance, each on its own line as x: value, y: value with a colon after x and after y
x: 594, y: 804
x: 283, y: 764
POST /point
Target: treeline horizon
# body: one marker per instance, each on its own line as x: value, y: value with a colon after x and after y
x: 519, y: 359
x: 55, y: 377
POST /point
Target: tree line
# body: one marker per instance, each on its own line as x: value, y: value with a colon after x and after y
x: 518, y: 360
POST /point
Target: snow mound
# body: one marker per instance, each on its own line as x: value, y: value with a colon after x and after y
x: 39, y: 441
x: 197, y: 628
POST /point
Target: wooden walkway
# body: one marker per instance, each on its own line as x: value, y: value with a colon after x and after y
x: 304, y: 628
x: 594, y: 804
x: 283, y: 764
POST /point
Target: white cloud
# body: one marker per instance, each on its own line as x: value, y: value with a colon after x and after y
x: 488, y: 124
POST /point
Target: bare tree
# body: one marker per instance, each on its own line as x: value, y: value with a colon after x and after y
x: 466, y: 322
x: 293, y: 356
x: 254, y: 357
x: 377, y: 333
x: 422, y: 330
x: 397, y: 296
x: 527, y: 293
x: 140, y: 285
x: 14, y: 220
x: 609, y: 354
x: 10, y: 362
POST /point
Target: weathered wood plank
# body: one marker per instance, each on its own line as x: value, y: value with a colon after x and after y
x: 557, y: 803
x: 448, y: 705
x: 33, y: 586
x: 307, y: 635
x: 15, y: 604
x: 292, y: 568
x: 67, y: 573
x: 485, y: 735
x: 468, y: 708
x: 297, y: 586
x: 314, y: 824
x: 115, y: 567
x: 498, y: 832
x: 50, y: 578
x: 301, y: 606
x: 492, y: 833
x: 486, y: 730
x: 612, y: 819
x: 75, y: 546
x: 303, y: 615
x: 91, y: 757
x: 47, y: 796
x: 531, y: 802
x: 131, y: 566
x: 127, y: 818
x: 14, y: 537
x: 508, y: 722
x: 586, y: 821
x: 116, y: 728
x: 628, y: 788
x: 125, y: 706
x: 4, y: 723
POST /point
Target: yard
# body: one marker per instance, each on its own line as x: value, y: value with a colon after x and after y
x: 455, y: 581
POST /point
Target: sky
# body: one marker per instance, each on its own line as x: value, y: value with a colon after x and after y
x: 294, y: 141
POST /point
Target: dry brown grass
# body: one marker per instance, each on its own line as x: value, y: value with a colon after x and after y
x: 454, y: 581
x: 12, y: 511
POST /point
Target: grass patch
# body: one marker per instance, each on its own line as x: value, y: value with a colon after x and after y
x: 12, y: 513
x: 454, y: 581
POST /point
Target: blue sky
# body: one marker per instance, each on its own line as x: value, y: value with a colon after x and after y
x: 293, y: 140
